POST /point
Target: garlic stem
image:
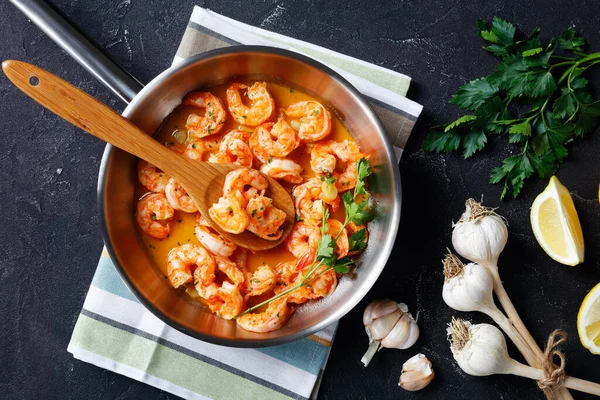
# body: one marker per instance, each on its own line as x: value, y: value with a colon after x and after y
x: 509, y: 329
x: 373, y: 347
x: 517, y: 323
x: 516, y: 368
x: 582, y: 386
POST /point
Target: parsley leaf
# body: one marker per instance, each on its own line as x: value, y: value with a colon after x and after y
x: 474, y: 94
x: 363, y: 171
x: 461, y: 120
x: 358, y: 240
x: 569, y: 41
x: 356, y: 212
x: 473, y: 142
x: 326, y: 250
x: 342, y: 265
x: 539, y: 102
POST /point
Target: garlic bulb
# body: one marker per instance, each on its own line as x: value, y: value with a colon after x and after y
x: 467, y: 287
x: 480, y: 350
x: 388, y: 324
x: 480, y: 235
x: 416, y: 373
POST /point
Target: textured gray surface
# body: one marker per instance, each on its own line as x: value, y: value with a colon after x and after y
x: 50, y: 237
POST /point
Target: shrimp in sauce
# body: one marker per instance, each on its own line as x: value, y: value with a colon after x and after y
x: 151, y: 177
x: 315, y: 120
x: 178, y: 197
x: 284, y: 169
x: 213, y: 119
x: 261, y: 106
x: 153, y: 215
x: 273, y: 140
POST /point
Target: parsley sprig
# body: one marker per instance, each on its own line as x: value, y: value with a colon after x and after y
x: 356, y: 204
x: 537, y: 98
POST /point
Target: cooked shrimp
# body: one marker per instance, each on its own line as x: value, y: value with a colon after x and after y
x: 211, y: 240
x: 178, y: 197
x: 183, y: 261
x: 315, y: 120
x: 261, y: 107
x: 261, y: 281
x: 230, y: 269
x: 227, y: 302
x: 320, y: 284
x: 151, y: 177
x: 213, y: 119
x: 327, y: 157
x: 309, y: 201
x: 276, y: 314
x: 265, y: 219
x: 303, y: 238
x: 229, y: 215
x: 273, y: 140
x: 283, y: 168
x: 234, y: 149
x: 214, y: 242
x: 196, y: 148
x: 153, y: 215
x: 288, y: 275
x: 236, y: 182
x: 353, y: 228
x: 334, y: 227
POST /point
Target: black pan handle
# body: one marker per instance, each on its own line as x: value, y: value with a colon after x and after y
x: 117, y: 80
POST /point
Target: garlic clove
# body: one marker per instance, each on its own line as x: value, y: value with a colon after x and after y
x: 412, y: 336
x: 417, y: 373
x: 378, y: 309
x: 382, y: 326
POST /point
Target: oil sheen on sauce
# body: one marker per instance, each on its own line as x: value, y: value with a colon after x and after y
x: 182, y: 226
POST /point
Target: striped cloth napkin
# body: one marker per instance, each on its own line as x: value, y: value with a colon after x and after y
x: 114, y: 330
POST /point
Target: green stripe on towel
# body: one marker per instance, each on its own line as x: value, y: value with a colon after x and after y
x: 166, y: 363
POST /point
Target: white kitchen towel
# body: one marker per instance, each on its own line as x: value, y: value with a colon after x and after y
x: 114, y: 330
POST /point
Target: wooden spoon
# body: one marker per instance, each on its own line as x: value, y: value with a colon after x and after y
x: 203, y: 181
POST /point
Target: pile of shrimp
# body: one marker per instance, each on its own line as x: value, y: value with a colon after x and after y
x: 215, y: 270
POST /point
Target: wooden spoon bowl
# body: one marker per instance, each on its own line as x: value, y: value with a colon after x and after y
x: 203, y: 181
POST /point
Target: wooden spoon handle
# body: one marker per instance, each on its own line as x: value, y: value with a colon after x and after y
x: 87, y: 113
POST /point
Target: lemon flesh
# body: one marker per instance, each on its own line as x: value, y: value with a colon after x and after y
x: 556, y: 225
x: 588, y: 321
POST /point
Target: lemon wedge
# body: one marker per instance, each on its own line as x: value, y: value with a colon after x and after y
x: 556, y: 225
x: 588, y: 321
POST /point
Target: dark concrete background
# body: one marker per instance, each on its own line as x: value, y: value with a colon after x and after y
x: 50, y: 239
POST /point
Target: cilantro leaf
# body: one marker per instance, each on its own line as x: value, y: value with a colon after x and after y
x: 358, y: 240
x: 474, y: 94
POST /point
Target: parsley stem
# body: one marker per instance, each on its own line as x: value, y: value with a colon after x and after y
x: 313, y: 268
